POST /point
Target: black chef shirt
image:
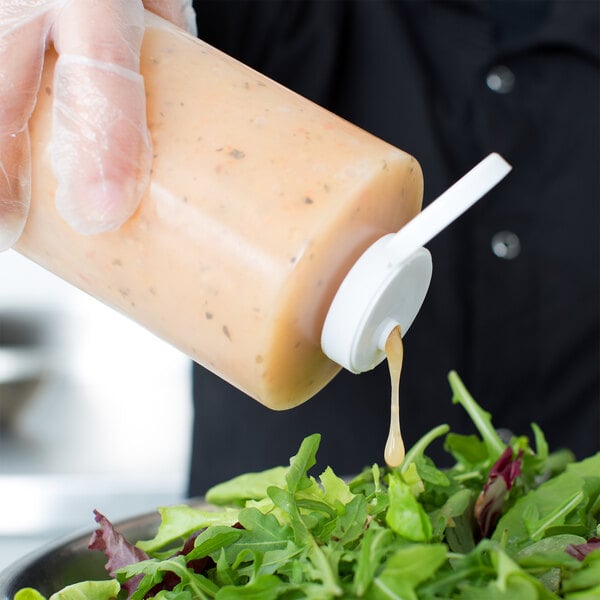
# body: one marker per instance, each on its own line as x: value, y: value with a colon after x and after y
x: 514, y: 301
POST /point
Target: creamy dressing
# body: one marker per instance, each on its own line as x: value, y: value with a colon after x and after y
x: 249, y: 225
x: 394, y: 447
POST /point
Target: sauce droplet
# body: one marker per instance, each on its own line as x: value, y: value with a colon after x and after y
x: 394, y: 447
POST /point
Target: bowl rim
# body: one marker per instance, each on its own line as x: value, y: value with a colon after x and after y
x: 15, y: 576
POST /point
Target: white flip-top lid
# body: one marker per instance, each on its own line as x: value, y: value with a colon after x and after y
x: 387, y: 285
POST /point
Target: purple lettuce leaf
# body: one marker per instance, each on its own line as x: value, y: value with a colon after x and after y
x: 121, y: 553
x: 580, y: 551
x: 489, y: 504
x: 117, y: 549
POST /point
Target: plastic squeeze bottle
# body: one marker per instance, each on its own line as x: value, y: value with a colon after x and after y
x: 259, y: 204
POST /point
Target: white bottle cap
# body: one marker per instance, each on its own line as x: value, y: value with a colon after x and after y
x: 387, y: 285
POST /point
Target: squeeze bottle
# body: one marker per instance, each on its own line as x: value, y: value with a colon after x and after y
x: 259, y: 204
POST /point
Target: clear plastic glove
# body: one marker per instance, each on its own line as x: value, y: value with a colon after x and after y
x: 101, y: 149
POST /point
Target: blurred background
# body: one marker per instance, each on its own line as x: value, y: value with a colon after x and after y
x: 95, y: 412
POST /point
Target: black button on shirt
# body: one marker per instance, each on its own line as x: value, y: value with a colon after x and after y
x: 522, y: 333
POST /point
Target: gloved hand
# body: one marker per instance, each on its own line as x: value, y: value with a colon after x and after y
x: 101, y: 149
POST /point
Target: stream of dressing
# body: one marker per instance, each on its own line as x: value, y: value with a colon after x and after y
x: 394, y: 447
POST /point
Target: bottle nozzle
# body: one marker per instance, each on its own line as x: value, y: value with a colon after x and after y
x: 388, y: 284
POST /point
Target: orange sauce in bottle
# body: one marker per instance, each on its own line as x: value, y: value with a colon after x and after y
x: 250, y: 223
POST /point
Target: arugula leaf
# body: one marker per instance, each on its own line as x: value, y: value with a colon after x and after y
x: 173, y: 595
x: 260, y: 533
x: 481, y: 419
x: 405, y: 570
x: 322, y: 567
x: 585, y: 582
x: 430, y: 473
x: 297, y: 475
x: 375, y: 545
x: 468, y: 450
x: 350, y: 525
x: 265, y: 587
x: 446, y: 517
x: 153, y: 571
x: 549, y: 550
x: 421, y: 445
x: 212, y: 540
x: 560, y: 505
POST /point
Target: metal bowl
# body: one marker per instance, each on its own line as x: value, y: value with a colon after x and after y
x: 69, y: 560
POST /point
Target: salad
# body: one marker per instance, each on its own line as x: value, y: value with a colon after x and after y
x: 508, y: 521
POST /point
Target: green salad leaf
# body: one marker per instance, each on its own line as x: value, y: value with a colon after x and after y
x: 85, y: 590
x: 509, y: 521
